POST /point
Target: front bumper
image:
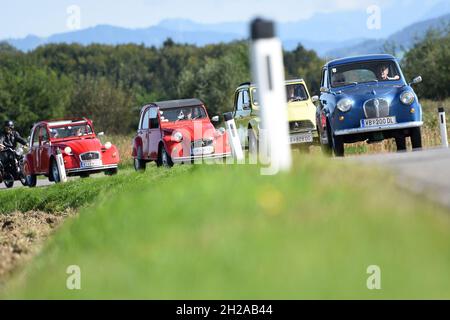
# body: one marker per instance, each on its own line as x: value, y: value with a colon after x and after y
x: 213, y: 156
x: 91, y: 169
x: 398, y: 126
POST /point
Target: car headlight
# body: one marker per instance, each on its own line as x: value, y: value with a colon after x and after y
x: 108, y: 145
x: 345, y: 105
x: 407, y: 98
x: 177, y: 137
x: 68, y: 150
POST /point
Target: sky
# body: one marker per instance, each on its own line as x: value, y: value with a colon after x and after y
x: 19, y: 18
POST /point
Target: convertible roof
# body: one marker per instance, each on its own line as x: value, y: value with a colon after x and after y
x: 178, y: 103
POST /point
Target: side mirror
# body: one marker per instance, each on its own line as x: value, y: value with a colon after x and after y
x: 315, y: 99
x: 416, y: 80
x: 324, y: 90
x: 100, y: 134
x: 215, y: 119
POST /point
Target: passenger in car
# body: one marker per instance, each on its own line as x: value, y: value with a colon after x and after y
x: 383, y: 74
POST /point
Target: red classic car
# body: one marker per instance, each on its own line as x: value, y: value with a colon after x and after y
x: 178, y: 131
x: 75, y: 139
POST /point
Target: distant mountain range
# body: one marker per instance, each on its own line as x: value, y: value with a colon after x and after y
x: 330, y: 35
x: 403, y: 40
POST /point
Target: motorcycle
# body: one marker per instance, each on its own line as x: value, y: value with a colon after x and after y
x: 11, y: 168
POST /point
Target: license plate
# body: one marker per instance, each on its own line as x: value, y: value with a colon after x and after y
x: 378, y: 122
x: 91, y: 163
x: 203, y: 151
x: 301, y: 138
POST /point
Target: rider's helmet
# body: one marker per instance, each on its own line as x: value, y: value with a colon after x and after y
x: 9, y: 125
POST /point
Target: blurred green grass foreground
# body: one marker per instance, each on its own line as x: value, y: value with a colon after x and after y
x: 226, y: 232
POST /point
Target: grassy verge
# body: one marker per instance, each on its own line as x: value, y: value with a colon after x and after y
x: 75, y: 194
x: 228, y: 232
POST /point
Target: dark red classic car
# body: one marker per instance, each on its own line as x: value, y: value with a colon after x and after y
x: 178, y: 131
x: 75, y: 139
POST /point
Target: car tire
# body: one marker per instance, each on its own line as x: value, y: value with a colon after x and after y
x: 400, y: 141
x: 416, y: 138
x: 327, y: 148
x: 338, y: 146
x: 31, y: 179
x: 164, y: 160
x: 252, y: 144
x: 111, y: 172
x: 8, y: 180
x: 54, y: 172
x: 139, y: 165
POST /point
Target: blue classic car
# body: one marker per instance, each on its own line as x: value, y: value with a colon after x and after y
x: 367, y: 98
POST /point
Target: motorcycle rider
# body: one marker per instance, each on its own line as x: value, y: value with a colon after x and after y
x: 9, y: 139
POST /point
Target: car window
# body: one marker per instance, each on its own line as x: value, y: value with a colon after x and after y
x: 183, y: 114
x: 43, y: 135
x: 296, y: 92
x: 153, y: 115
x: 240, y: 101
x: 364, y: 72
x: 71, y: 131
x: 36, y: 137
x: 255, y: 97
x: 145, y: 121
x: 246, y: 98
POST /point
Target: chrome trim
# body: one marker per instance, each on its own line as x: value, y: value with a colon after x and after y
x: 204, y: 157
x: 96, y: 168
x: 377, y: 106
x: 96, y: 152
x: 404, y: 125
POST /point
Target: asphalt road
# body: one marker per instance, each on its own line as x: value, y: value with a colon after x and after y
x: 424, y: 172
x: 17, y: 184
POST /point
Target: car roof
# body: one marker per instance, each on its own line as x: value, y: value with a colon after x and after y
x: 250, y: 84
x: 368, y: 57
x: 61, y: 122
x: 177, y: 103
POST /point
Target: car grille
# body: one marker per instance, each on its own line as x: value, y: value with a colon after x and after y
x: 202, y: 143
x: 90, y: 156
x: 376, y: 108
x: 304, y: 125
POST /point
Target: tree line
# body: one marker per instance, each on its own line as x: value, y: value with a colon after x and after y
x: 110, y: 83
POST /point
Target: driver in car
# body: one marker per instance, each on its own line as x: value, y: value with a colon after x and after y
x: 383, y: 74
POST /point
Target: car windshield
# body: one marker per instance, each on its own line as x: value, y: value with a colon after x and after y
x: 70, y: 131
x: 294, y: 92
x: 364, y: 72
x: 182, y: 114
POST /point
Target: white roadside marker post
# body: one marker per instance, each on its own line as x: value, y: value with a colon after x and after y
x: 233, y: 137
x: 268, y: 74
x: 61, y: 166
x: 443, y: 126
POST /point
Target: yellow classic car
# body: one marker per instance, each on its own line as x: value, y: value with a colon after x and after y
x: 301, y: 114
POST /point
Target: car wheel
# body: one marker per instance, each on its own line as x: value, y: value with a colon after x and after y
x: 84, y: 176
x: 416, y: 138
x: 31, y: 180
x: 55, y: 172
x: 326, y: 147
x: 400, y: 141
x: 338, y: 146
x: 252, y: 144
x: 164, y: 160
x: 139, y: 165
x: 8, y: 179
x: 111, y: 172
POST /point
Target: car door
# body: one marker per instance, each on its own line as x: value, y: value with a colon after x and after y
x: 242, y: 113
x: 154, y: 133
x: 143, y: 133
x: 44, y: 150
x: 35, y: 150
